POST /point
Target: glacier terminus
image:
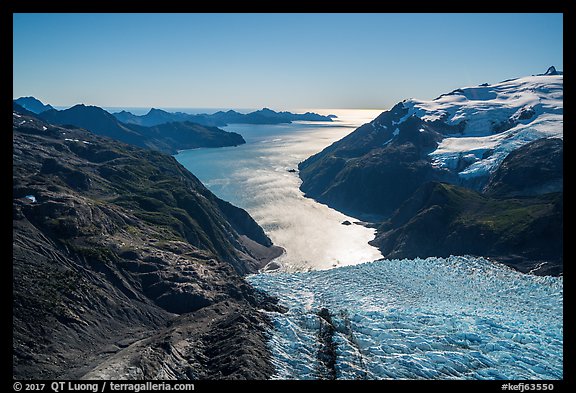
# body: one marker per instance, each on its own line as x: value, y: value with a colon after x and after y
x: 436, y: 318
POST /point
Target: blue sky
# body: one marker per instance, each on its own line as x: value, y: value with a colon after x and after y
x: 281, y: 61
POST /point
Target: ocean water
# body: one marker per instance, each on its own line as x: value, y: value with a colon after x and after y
x: 259, y: 177
x: 435, y: 318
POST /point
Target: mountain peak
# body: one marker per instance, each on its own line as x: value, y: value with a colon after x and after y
x: 83, y: 108
x: 156, y: 111
x: 266, y: 110
x: 552, y: 71
x: 32, y: 104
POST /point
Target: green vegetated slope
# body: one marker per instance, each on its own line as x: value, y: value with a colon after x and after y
x: 442, y: 220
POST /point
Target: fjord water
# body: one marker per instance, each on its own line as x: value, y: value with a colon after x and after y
x: 260, y: 177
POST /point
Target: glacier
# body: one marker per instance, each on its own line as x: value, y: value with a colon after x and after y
x: 460, y: 317
x: 526, y: 109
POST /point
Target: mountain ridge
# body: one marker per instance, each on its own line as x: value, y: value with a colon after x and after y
x: 33, y: 104
x: 186, y: 131
x: 468, y: 139
x: 125, y: 266
x: 218, y: 119
x: 168, y: 137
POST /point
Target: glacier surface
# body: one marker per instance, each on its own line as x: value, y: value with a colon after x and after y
x: 435, y: 318
x: 525, y: 109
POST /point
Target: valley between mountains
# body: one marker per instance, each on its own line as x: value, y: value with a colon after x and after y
x: 125, y: 266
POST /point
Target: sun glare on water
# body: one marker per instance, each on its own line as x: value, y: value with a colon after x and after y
x: 261, y: 177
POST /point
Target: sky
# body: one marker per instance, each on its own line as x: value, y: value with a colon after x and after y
x: 280, y: 61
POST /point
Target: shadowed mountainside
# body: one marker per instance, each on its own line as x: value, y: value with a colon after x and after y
x: 32, y: 104
x: 440, y: 219
x: 168, y: 138
x: 125, y: 266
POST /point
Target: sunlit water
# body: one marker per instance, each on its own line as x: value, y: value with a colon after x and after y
x: 259, y: 177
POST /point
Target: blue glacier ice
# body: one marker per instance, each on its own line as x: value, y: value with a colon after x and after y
x: 435, y: 318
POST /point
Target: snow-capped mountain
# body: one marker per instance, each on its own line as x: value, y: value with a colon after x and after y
x: 391, y: 172
x: 460, y: 137
x: 496, y: 119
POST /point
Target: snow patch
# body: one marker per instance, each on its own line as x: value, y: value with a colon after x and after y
x: 531, y: 108
x: 394, y: 134
x: 76, y: 140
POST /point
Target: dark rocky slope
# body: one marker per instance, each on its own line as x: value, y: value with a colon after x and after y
x: 440, y: 219
x: 126, y: 266
x: 534, y: 169
x: 518, y: 220
x: 371, y: 171
x: 168, y: 138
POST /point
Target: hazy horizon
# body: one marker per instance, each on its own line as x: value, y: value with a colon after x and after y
x: 352, y: 61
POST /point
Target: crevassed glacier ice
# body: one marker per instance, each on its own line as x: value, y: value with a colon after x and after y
x: 434, y: 318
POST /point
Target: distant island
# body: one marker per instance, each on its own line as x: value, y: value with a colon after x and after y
x: 263, y: 116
